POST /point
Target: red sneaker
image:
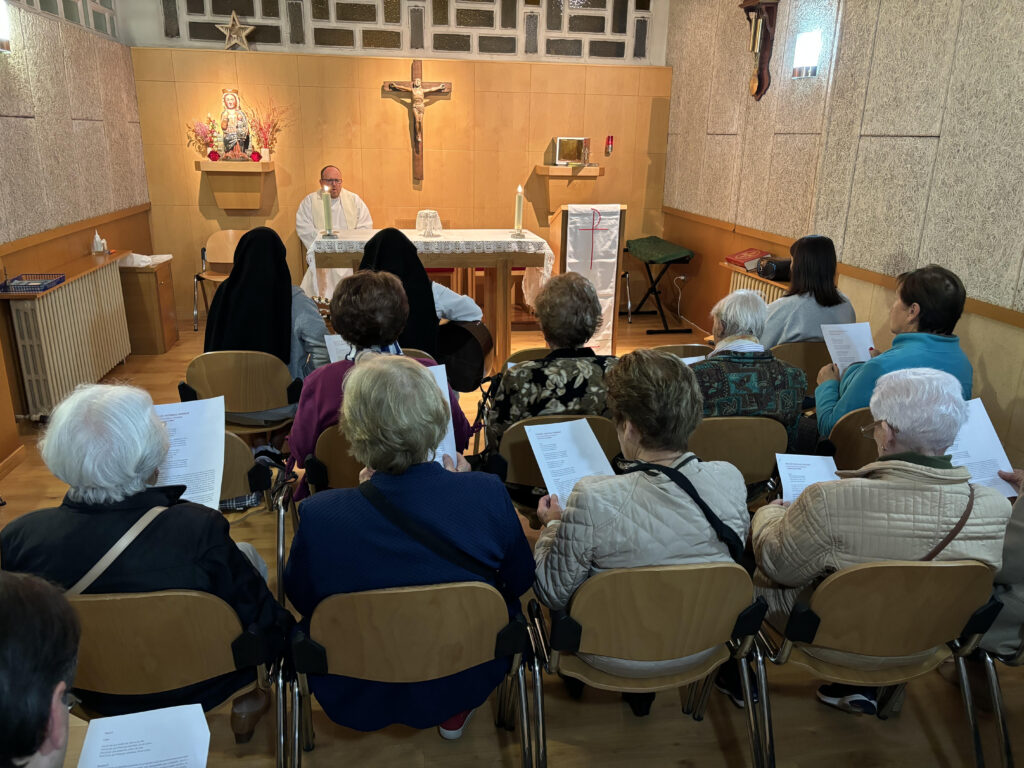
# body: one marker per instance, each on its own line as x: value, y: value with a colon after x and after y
x: 453, y: 727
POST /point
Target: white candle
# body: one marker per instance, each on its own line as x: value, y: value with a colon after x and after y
x: 327, y: 209
x: 519, y: 208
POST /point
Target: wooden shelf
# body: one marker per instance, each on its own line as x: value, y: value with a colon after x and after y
x: 564, y: 184
x: 237, y: 185
x: 569, y: 171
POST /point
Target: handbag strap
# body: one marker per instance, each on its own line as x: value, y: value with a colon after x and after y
x: 956, y: 529
x: 725, y: 534
x: 439, y: 546
x: 114, y: 552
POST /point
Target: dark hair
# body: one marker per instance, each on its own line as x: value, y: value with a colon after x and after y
x: 38, y: 649
x: 938, y: 292
x: 658, y: 393
x: 814, y: 270
x: 369, y: 308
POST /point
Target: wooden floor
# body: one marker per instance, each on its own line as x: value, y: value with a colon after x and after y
x: 599, y: 731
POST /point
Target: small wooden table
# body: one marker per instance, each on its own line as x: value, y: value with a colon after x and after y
x: 490, y: 249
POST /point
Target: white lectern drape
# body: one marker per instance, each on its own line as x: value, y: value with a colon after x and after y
x: 592, y: 249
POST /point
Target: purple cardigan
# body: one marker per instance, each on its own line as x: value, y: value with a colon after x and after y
x: 318, y: 409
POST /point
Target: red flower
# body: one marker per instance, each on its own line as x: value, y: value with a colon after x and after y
x: 255, y: 157
x: 214, y: 155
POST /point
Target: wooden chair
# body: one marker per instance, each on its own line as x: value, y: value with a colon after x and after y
x: 686, y: 350
x: 331, y: 465
x: 248, y: 381
x: 749, y: 443
x: 409, y: 635
x: 530, y: 353
x: 238, y: 462
x: 660, y: 613
x: 853, y: 450
x: 808, y: 356
x: 917, y: 613
x: 217, y: 256
x: 413, y: 352
x: 151, y: 642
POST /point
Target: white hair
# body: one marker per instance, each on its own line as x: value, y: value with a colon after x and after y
x: 105, y: 442
x: 924, y: 405
x: 741, y: 313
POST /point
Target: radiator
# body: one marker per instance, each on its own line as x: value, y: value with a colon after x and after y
x: 752, y: 282
x: 72, y: 335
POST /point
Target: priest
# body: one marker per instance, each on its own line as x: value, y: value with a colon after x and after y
x: 348, y: 211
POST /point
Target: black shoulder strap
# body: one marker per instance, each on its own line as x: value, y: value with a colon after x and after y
x: 725, y: 534
x: 432, y: 541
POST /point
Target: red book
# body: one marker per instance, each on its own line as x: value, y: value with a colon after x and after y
x: 747, y: 259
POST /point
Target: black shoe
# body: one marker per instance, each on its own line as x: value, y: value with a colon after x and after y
x: 850, y: 698
x: 640, y: 703
x: 728, y: 682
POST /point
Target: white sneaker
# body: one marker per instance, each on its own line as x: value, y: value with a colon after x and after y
x: 455, y: 725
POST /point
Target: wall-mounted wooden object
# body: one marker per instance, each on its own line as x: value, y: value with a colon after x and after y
x: 567, y: 184
x: 237, y: 185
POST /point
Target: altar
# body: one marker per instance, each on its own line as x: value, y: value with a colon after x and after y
x: 493, y: 250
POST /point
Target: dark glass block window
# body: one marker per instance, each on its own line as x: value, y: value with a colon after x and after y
x: 620, y: 10
x: 470, y: 17
x: 497, y: 44
x: 192, y: 6
x: 344, y: 38
x: 440, y: 13
x: 271, y: 9
x: 356, y: 12
x: 452, y: 42
x: 586, y: 24
x: 416, y: 25
x: 382, y: 38
x: 531, y: 32
x: 608, y: 49
x: 393, y: 11
x: 562, y: 47
x: 225, y: 7
x: 640, y: 40
x: 643, y: 5
x: 554, y: 15
x: 321, y: 10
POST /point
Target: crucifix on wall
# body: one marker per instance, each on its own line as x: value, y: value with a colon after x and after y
x: 419, y: 91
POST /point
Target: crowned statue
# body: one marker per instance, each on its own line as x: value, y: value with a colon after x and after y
x: 235, y: 126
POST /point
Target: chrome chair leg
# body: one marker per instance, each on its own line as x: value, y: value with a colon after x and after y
x: 751, y: 711
x: 306, y: 711
x: 296, y: 747
x: 282, y: 695
x: 996, y: 693
x: 702, y: 698
x: 541, y: 737
x: 965, y: 690
x: 767, y: 731
x: 525, y: 732
x: 195, y: 303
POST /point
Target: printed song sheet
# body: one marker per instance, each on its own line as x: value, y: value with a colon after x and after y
x: 694, y: 359
x: 797, y: 472
x: 196, y: 457
x: 176, y: 737
x: 977, y: 447
x: 447, y: 445
x: 337, y: 348
x: 565, y: 452
x: 848, y: 343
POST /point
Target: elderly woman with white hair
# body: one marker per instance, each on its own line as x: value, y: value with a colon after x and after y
x: 905, y: 506
x: 394, y: 416
x: 742, y: 378
x: 106, y: 442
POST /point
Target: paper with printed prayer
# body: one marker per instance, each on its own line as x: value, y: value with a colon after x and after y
x: 447, y: 445
x: 592, y: 250
x: 565, y: 452
x: 196, y: 455
x: 848, y: 343
x: 797, y: 472
x: 175, y: 737
x: 977, y: 447
x: 337, y: 348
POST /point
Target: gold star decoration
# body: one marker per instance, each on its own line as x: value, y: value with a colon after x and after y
x: 236, y: 32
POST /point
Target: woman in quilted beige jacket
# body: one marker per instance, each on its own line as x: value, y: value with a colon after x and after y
x: 897, y: 508
x: 643, y: 517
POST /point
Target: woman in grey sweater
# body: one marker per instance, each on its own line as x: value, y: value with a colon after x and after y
x: 812, y: 299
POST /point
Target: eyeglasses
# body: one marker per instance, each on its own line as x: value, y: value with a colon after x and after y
x: 868, y: 430
x: 330, y: 181
x: 70, y: 700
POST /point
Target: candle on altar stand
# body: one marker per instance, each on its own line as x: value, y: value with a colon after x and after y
x: 519, y: 208
x: 327, y: 209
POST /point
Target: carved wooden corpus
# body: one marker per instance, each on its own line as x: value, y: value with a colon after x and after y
x: 761, y: 17
x: 419, y: 91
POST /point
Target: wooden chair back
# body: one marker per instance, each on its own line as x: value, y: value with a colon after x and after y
x: 516, y: 450
x: 853, y: 450
x: 409, y: 634
x: 530, y: 353
x: 150, y: 642
x: 417, y: 353
x: 808, y: 356
x: 686, y: 350
x: 749, y: 443
x: 333, y: 452
x: 220, y: 249
x: 898, y: 608
x: 662, y: 612
x: 249, y: 381
x: 238, y: 461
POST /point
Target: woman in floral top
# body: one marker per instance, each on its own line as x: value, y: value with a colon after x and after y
x: 571, y: 378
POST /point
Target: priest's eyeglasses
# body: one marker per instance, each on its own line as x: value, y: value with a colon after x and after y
x: 330, y: 181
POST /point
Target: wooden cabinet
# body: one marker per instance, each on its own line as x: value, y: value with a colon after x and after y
x: 149, y: 307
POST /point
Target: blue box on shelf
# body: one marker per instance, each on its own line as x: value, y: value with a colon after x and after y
x: 31, y: 283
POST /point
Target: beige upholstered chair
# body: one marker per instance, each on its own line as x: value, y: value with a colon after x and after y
x: 217, y: 256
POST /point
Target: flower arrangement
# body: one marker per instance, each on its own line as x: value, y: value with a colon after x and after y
x: 202, y: 134
x: 266, y: 120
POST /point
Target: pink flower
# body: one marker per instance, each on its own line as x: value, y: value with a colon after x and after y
x: 214, y: 155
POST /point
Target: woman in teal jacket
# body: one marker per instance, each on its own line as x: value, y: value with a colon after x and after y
x: 928, y: 304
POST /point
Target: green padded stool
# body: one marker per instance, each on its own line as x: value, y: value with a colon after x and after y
x: 655, y: 250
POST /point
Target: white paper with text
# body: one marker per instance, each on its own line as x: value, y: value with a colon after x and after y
x: 694, y: 359
x: 848, y: 343
x: 977, y: 447
x: 196, y: 455
x: 565, y: 452
x: 337, y: 348
x: 797, y: 472
x: 176, y: 737
x: 447, y: 445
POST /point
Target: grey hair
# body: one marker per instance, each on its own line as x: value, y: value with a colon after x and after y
x: 924, y: 405
x: 105, y: 441
x: 741, y: 313
x: 569, y: 310
x: 393, y: 413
